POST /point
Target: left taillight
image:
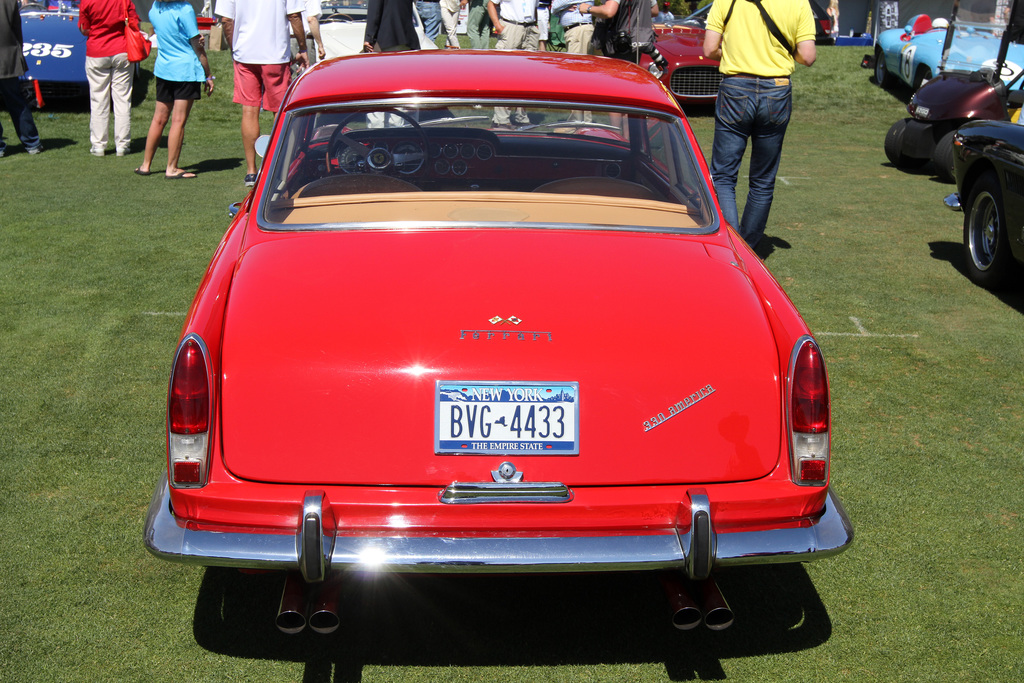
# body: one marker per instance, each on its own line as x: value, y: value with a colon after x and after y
x: 189, y: 402
x: 809, y: 414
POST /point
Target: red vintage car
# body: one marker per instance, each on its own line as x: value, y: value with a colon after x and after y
x: 691, y: 78
x: 481, y: 313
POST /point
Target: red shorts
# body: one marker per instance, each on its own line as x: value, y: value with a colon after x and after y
x: 264, y: 84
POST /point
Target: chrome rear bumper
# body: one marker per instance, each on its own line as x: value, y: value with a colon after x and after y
x: 315, y: 549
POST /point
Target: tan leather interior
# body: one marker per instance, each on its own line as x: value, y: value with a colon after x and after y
x: 610, y: 187
x: 481, y: 207
x: 354, y: 184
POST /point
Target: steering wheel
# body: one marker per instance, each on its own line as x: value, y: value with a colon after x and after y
x: 404, y: 158
x: 338, y: 16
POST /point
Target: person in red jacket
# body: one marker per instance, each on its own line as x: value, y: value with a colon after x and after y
x: 108, y: 70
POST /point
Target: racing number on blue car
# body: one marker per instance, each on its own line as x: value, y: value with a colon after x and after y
x: 907, y: 62
x: 58, y: 50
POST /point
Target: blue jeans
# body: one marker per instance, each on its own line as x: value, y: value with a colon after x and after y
x: 758, y: 110
x: 430, y: 13
x: 14, y: 101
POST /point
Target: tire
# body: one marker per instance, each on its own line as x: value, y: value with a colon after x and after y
x: 942, y: 158
x: 894, y: 147
x: 883, y: 78
x: 986, y: 244
x: 923, y: 75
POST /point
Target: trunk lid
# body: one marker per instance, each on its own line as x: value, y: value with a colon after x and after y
x: 334, y: 343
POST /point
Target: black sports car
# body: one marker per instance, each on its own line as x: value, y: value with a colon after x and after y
x: 988, y: 162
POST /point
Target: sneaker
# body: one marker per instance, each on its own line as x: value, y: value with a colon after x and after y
x: 250, y: 179
x: 97, y: 151
x: 2, y: 152
x: 35, y: 150
x: 122, y: 151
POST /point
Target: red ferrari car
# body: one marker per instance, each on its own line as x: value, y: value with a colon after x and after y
x: 481, y: 313
x: 691, y: 78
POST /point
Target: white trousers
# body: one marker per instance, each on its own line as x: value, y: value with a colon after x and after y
x: 110, y: 79
x: 450, y: 19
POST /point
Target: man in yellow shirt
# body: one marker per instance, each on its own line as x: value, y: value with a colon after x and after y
x: 757, y: 43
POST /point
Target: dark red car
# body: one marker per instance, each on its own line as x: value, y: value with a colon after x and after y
x: 690, y: 77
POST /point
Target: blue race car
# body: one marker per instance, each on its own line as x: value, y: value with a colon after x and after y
x: 910, y: 54
x: 978, y: 77
x: 913, y: 54
x: 54, y: 49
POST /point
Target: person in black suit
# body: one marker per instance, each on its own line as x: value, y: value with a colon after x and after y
x: 390, y: 27
x: 13, y: 65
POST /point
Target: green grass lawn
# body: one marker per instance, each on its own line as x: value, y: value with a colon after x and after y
x: 98, y: 266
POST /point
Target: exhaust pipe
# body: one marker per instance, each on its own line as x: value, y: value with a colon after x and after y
x: 686, y: 615
x: 291, y: 616
x: 323, y: 610
x: 717, y: 614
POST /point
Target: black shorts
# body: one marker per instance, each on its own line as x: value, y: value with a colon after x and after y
x: 168, y: 91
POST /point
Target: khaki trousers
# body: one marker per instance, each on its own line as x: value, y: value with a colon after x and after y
x: 577, y: 39
x: 110, y: 79
x: 515, y: 37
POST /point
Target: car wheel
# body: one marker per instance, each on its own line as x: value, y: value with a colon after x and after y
x: 923, y: 75
x: 894, y: 147
x: 882, y: 76
x: 986, y: 244
x: 942, y: 158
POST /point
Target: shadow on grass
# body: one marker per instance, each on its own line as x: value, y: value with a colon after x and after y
x: 900, y: 91
x: 925, y: 169
x: 511, y: 620
x: 211, y: 165
x: 953, y: 253
x: 16, y: 147
x: 768, y: 244
x: 205, y: 166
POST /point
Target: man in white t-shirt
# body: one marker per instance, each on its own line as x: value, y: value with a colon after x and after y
x: 311, y: 25
x: 258, y: 34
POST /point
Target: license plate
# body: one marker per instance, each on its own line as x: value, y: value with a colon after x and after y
x: 541, y: 418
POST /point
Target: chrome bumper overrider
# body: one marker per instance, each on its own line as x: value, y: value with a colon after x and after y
x: 315, y: 550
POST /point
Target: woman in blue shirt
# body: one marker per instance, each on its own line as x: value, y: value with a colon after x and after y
x: 181, y: 67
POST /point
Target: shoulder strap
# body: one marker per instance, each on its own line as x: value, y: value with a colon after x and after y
x: 772, y: 28
x: 728, y: 15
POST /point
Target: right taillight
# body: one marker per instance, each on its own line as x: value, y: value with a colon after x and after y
x: 808, y: 415
x: 188, y: 414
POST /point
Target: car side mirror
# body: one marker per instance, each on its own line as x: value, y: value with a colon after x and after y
x: 262, y: 143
